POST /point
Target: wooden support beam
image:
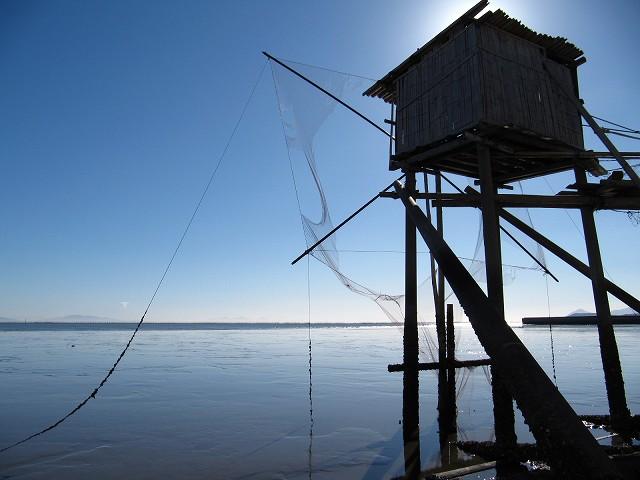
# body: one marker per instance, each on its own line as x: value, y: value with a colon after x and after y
x: 608, y: 346
x: 472, y: 465
x: 433, y: 151
x: 530, y: 172
x: 572, y: 450
x: 435, y: 279
x: 565, y: 256
x: 630, y: 429
x: 567, y: 154
x: 579, y: 104
x: 451, y: 335
x: 562, y: 254
x: 424, y: 195
x: 542, y: 201
x: 410, y: 395
x: 450, y: 424
x: 451, y: 353
x: 503, y: 414
x: 489, y: 143
x: 440, y: 306
x: 530, y: 451
x: 399, y: 367
x: 459, y: 472
x: 612, y: 148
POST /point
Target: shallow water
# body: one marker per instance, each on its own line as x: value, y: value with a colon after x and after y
x: 197, y: 402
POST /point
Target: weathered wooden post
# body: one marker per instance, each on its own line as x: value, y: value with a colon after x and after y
x: 451, y: 371
x: 447, y: 410
x: 502, y: 402
x: 608, y: 347
x: 410, y: 397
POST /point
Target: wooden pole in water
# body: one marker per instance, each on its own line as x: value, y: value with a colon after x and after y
x: 449, y: 425
x: 613, y: 379
x: 445, y: 406
x: 571, y: 449
x: 503, y: 415
x: 410, y: 399
x: 440, y: 227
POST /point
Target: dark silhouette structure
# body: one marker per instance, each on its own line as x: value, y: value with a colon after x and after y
x: 490, y: 99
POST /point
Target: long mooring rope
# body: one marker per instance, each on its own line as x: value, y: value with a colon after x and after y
x: 160, y: 282
x: 553, y: 354
x: 310, y: 369
x: 297, y: 194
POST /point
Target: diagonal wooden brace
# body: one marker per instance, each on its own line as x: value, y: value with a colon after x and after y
x: 563, y: 255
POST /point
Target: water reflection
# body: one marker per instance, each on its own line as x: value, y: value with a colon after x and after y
x: 449, y: 457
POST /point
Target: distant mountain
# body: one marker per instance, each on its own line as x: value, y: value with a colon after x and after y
x: 83, y: 319
x: 620, y: 311
x: 8, y: 320
x: 580, y: 312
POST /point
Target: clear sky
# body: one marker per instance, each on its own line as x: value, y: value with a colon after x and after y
x: 114, y: 114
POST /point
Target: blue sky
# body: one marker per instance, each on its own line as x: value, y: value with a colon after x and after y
x: 114, y: 114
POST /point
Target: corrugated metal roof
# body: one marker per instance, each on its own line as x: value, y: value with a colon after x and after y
x: 557, y: 48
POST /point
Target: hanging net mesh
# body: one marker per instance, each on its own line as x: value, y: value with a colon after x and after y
x: 304, y: 112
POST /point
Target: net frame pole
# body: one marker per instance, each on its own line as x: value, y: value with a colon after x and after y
x: 343, y: 223
x: 326, y: 92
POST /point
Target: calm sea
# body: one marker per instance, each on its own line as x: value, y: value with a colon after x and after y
x: 232, y: 401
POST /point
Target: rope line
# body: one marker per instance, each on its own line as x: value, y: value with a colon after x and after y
x: 346, y: 74
x: 537, y: 269
x: 295, y: 187
x: 553, y: 355
x: 310, y: 466
x: 160, y: 282
x: 627, y: 129
x: 286, y: 142
x: 620, y: 134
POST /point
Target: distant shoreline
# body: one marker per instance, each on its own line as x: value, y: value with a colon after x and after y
x: 34, y: 326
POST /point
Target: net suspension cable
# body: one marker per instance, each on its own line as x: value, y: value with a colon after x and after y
x: 553, y: 354
x: 194, y: 213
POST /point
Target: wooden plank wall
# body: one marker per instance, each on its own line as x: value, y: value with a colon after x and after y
x: 517, y: 89
x: 436, y: 96
x: 483, y: 74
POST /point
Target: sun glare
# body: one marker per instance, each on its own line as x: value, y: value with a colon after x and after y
x: 443, y: 13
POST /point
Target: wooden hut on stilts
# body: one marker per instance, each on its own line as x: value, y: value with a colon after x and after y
x: 490, y: 99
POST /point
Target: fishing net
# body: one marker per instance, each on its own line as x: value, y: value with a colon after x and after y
x: 509, y: 272
x: 304, y: 112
